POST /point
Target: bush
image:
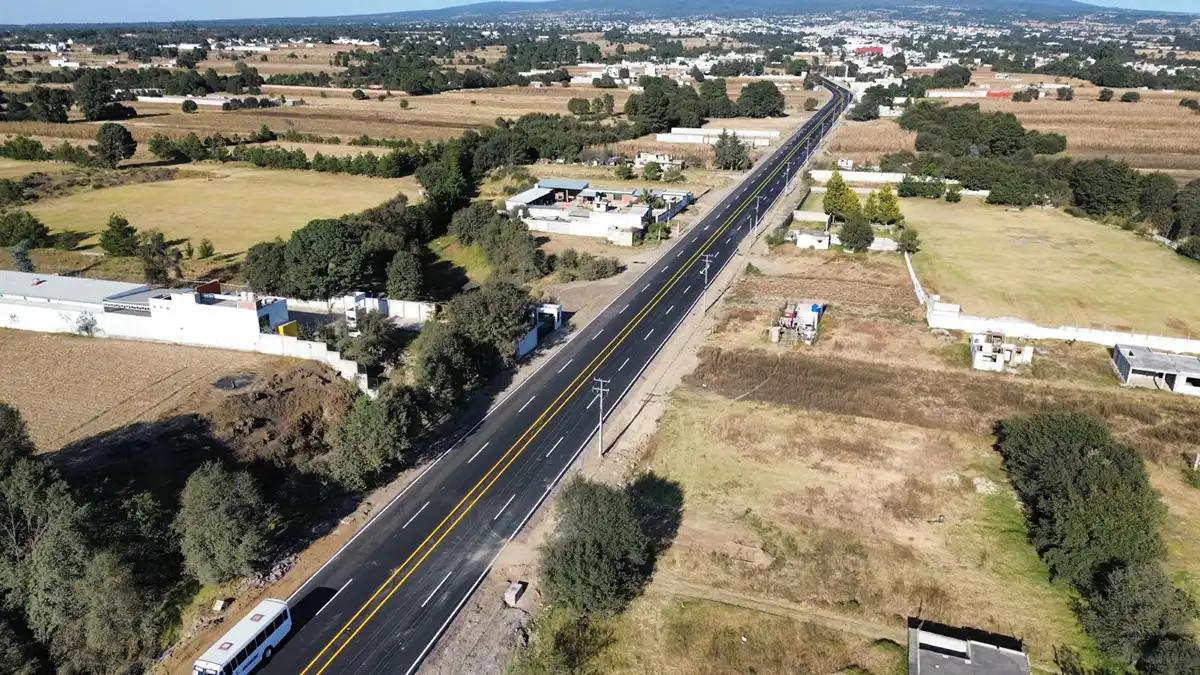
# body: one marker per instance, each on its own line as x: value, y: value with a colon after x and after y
x: 358, y: 95
x: 954, y: 194
x: 22, y: 226
x: 206, y: 249
x: 594, y: 560
x: 1130, y: 97
x: 1106, y: 94
x: 222, y: 524
x: 856, y: 235
x: 189, y: 106
x: 119, y: 237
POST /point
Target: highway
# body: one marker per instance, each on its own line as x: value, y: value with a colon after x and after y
x: 380, y: 604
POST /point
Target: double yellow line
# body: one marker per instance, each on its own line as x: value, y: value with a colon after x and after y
x: 526, y: 438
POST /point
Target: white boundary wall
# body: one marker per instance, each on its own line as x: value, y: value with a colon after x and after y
x: 949, y: 316
x: 64, y: 318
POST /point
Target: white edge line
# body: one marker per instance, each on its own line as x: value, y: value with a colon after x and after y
x: 438, y: 588
x: 414, y: 516
x: 477, y: 452
x: 488, y: 414
x: 487, y: 570
x: 330, y: 600
x: 502, y: 508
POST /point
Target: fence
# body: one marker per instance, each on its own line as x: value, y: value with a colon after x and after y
x: 949, y: 316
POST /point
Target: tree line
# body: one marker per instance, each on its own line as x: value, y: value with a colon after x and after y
x: 1096, y: 521
x: 663, y: 103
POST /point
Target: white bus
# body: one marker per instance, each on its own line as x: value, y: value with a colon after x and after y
x: 249, y: 643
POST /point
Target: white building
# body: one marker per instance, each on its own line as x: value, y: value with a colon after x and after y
x: 661, y: 158
x: 1143, y: 367
x: 200, y: 316
x: 752, y: 137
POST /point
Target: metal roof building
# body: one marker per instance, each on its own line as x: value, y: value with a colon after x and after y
x: 563, y: 184
x: 941, y: 650
x: 1143, y: 367
x: 51, y: 288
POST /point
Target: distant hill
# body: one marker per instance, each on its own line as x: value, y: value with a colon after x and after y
x: 719, y: 7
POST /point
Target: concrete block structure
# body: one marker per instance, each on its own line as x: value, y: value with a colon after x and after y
x: 1143, y: 367
x: 934, y: 649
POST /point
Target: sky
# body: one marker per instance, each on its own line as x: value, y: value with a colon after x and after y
x: 119, y: 11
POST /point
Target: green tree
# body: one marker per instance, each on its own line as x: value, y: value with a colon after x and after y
x: 1171, y: 656
x: 448, y: 365
x: 49, y: 105
x: 889, y: 206
x: 22, y: 226
x: 1135, y: 606
x: 18, y: 653
x: 113, y: 144
x: 222, y: 524
x: 20, y: 257
x: 493, y: 318
x: 908, y: 241
x: 840, y: 201
x: 624, y: 171
x: 864, y: 111
x: 870, y: 209
x: 1187, y: 211
x: 1156, y: 197
x: 447, y: 188
x: 954, y: 193
x: 119, y: 238
x: 760, y: 99
x: 113, y: 610
x: 1101, y: 186
x: 594, y: 560
x: 673, y: 175
x: 361, y: 444
x: 471, y: 223
x: 1106, y: 94
x: 652, y: 171
x: 730, y: 152
x: 324, y: 259
x: 206, y: 249
x: 265, y: 268
x: 189, y: 106
x: 374, y: 344
x: 406, y: 277
x: 93, y: 93
x: 856, y: 234
x: 578, y: 106
x: 159, y: 259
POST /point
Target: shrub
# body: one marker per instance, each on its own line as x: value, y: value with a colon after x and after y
x: 189, y: 106
x: 856, y: 234
x: 358, y: 95
x: 119, y: 237
x: 594, y: 560
x: 206, y: 249
x: 1106, y: 94
x: 954, y: 194
x: 222, y: 524
x: 22, y: 226
x: 1130, y: 97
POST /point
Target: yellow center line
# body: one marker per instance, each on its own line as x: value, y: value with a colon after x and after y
x: 526, y: 438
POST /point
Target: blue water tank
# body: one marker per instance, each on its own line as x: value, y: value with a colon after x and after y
x: 816, y: 308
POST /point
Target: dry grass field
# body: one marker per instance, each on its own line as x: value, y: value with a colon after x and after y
x: 68, y: 388
x: 1052, y: 269
x: 1156, y: 133
x: 830, y: 491
x: 13, y: 169
x: 865, y: 142
x: 317, y: 58
x: 234, y: 207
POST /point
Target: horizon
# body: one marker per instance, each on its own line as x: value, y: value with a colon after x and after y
x: 76, y: 12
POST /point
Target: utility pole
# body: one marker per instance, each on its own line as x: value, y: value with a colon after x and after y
x: 757, y: 219
x: 601, y: 388
x: 707, y: 261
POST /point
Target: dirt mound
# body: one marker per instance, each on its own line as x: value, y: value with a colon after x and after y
x: 283, y: 416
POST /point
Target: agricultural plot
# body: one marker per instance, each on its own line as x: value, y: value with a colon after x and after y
x: 68, y: 388
x: 233, y: 207
x: 1154, y: 134
x: 1052, y: 269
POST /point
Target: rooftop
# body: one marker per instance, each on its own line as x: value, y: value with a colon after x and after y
x: 562, y: 184
x: 52, y: 287
x: 1144, y: 358
x: 938, y: 653
x: 529, y: 196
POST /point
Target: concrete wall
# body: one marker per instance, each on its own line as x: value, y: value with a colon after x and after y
x: 230, y: 328
x: 874, y: 177
x: 178, y: 100
x: 810, y: 217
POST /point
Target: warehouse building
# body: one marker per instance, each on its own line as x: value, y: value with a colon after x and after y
x: 1143, y: 367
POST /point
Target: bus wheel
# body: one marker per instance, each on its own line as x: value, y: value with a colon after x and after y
x: 267, y: 653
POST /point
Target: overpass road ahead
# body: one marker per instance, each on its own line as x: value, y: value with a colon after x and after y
x: 379, y: 605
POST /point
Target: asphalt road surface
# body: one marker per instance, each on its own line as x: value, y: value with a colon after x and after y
x: 381, y: 603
